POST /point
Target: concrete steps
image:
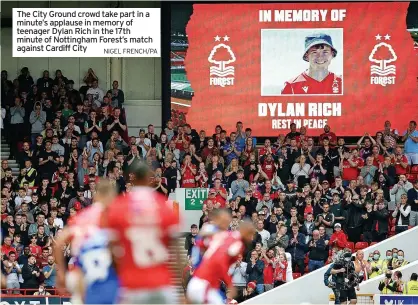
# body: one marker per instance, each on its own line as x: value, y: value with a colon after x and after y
x: 4, y: 154
x: 178, y: 266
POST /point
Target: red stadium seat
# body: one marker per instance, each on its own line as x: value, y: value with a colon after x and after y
x: 306, y: 269
x: 391, y: 231
x: 296, y: 275
x: 361, y: 245
x: 350, y: 245
x: 373, y: 243
x: 414, y: 169
x: 411, y: 177
x: 306, y: 259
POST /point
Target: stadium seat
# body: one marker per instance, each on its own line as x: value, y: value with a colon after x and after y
x: 414, y: 169
x: 408, y: 169
x: 296, y: 275
x: 306, y: 269
x: 391, y: 231
x: 306, y: 259
x: 411, y: 177
x: 350, y: 245
x: 361, y: 245
x: 392, y: 222
x: 373, y: 243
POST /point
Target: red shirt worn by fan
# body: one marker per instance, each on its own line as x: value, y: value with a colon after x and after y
x: 304, y: 84
x: 223, y: 251
x: 349, y: 172
x: 142, y: 224
x: 338, y: 239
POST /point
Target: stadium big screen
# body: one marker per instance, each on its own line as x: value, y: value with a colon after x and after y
x: 349, y: 65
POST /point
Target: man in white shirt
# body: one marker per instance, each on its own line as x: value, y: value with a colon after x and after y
x: 238, y: 272
x: 96, y: 93
x: 401, y: 188
x: 143, y: 142
x: 72, y: 126
x: 265, y: 235
x: 57, y: 221
x: 21, y: 197
x: 90, y: 142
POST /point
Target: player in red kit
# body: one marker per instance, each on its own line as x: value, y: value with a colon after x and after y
x: 219, y: 220
x: 141, y: 226
x: 319, y: 52
x: 223, y: 251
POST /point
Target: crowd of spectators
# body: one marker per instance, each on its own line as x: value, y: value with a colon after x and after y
x: 306, y: 195
x: 63, y: 140
x: 307, y: 200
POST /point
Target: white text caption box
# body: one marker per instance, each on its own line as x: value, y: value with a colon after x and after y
x: 84, y: 32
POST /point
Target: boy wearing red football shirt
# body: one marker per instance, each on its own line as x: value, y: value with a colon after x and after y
x: 188, y: 173
x: 269, y: 268
x: 181, y: 138
x: 221, y: 193
x: 267, y: 149
x: 348, y: 168
x: 377, y: 158
x: 280, y: 270
x: 33, y: 247
x: 319, y: 52
x: 357, y: 159
x: 400, y: 161
x: 268, y: 167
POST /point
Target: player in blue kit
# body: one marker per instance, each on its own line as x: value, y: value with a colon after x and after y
x: 98, y: 278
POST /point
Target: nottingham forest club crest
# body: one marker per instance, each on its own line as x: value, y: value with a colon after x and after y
x: 382, y: 72
x: 222, y: 73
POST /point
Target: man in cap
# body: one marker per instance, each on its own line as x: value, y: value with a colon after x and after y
x: 319, y: 52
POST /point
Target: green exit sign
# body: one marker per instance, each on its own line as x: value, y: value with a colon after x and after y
x: 194, y: 198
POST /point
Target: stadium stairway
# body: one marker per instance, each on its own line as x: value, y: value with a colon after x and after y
x: 5, y: 153
x: 177, y: 267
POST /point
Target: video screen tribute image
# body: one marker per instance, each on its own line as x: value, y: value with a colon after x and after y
x: 273, y: 64
x: 301, y: 62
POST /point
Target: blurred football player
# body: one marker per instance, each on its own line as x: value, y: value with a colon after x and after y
x: 142, y: 224
x: 81, y: 228
x: 220, y: 220
x: 223, y: 250
x: 97, y: 279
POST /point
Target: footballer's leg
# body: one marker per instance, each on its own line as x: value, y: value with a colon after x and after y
x: 196, y: 291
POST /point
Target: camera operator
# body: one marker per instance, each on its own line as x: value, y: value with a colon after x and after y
x: 346, y: 279
x: 329, y: 281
